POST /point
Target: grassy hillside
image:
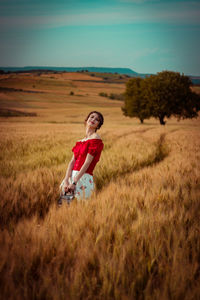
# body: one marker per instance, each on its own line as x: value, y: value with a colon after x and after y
x: 138, y: 235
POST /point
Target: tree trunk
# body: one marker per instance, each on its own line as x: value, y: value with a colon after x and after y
x: 141, y: 120
x: 162, y: 122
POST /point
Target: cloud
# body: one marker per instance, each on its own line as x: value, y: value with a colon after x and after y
x: 138, y: 1
x: 144, y: 52
x: 175, y: 13
x: 59, y: 20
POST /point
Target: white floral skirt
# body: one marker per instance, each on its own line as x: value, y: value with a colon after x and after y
x: 84, y: 186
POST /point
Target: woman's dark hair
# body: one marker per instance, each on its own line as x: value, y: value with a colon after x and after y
x: 101, y: 119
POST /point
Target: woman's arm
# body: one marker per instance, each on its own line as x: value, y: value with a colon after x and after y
x: 82, y: 171
x: 69, y: 170
x: 84, y: 167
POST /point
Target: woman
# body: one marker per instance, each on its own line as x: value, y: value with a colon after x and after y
x: 86, y: 154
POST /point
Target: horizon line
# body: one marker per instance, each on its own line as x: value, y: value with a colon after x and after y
x: 21, y: 67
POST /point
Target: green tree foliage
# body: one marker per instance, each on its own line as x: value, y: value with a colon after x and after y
x: 136, y: 101
x: 161, y: 96
x: 170, y: 94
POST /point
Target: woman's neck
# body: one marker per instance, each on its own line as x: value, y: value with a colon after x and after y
x: 89, y: 132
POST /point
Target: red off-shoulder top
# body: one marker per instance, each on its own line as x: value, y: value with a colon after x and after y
x: 81, y: 149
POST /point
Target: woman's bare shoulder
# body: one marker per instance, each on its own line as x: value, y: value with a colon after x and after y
x: 96, y: 136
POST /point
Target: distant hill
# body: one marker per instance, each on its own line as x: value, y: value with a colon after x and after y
x: 125, y: 71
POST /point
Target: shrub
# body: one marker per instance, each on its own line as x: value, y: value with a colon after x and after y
x: 117, y: 96
x: 103, y: 94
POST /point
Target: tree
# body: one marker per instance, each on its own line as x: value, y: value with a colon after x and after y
x: 170, y: 94
x: 136, y: 101
x: 162, y: 95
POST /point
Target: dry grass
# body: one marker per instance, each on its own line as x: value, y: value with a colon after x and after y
x: 136, y: 238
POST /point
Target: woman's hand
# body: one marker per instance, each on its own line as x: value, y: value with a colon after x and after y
x: 64, y: 186
x: 70, y: 188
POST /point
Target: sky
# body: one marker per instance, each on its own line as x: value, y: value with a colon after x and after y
x: 147, y: 36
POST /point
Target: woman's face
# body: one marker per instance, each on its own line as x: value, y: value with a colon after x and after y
x: 93, y: 121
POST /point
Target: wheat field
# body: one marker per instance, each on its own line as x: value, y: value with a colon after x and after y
x: 138, y: 237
